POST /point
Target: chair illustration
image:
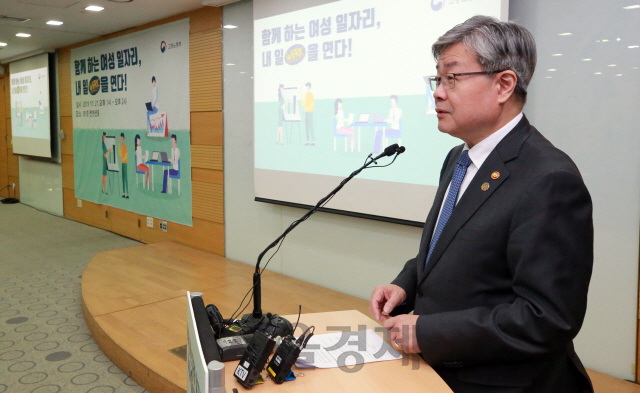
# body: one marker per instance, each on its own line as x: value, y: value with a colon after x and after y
x: 336, y: 135
x: 176, y: 176
x: 139, y: 172
x: 395, y: 134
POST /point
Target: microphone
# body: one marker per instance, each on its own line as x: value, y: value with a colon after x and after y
x: 390, y: 150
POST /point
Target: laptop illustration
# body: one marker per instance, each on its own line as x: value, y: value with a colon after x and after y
x: 378, y: 118
x: 364, y: 118
x: 164, y: 157
x: 149, y: 107
x: 155, y: 156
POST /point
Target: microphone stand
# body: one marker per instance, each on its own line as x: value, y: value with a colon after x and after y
x: 255, y: 318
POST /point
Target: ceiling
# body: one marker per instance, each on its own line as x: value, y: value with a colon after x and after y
x: 79, y: 25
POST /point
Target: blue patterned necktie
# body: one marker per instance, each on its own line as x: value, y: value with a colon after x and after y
x: 461, y: 169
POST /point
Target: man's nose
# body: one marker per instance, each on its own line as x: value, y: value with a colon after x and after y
x: 440, y: 93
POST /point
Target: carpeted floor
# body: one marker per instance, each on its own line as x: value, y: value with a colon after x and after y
x: 45, y: 345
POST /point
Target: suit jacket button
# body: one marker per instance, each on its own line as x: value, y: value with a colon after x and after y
x: 419, y: 293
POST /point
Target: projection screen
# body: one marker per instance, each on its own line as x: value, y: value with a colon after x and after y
x: 30, y: 107
x: 338, y: 81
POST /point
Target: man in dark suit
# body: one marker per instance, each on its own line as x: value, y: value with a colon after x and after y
x: 499, y: 287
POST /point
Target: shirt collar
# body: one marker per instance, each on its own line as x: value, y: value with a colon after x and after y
x: 479, y: 152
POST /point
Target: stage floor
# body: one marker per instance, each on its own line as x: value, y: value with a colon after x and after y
x: 134, y: 302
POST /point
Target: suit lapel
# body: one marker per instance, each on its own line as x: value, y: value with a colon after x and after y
x: 474, y: 197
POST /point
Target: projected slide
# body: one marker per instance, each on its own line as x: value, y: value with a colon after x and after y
x: 30, y: 116
x: 336, y: 82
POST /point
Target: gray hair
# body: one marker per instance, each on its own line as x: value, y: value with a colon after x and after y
x: 497, y: 45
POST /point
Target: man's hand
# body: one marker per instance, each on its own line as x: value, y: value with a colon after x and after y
x: 384, y: 299
x: 403, y: 332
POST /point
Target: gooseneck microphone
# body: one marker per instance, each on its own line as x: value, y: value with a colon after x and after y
x: 256, y: 316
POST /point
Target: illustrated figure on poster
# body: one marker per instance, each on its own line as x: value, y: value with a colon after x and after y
x: 281, y: 104
x: 156, y: 120
x: 142, y: 159
x: 341, y: 122
x: 395, y: 114
x: 122, y: 148
x: 307, y: 103
x: 33, y: 119
x: 41, y: 107
x: 21, y: 113
x: 175, y: 163
x: 104, y: 162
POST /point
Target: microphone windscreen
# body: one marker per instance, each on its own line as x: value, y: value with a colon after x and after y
x: 401, y: 149
x: 391, y: 150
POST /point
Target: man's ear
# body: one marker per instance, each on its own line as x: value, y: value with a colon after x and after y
x: 506, y: 84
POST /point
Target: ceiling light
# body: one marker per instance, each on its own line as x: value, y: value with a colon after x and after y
x: 230, y: 64
x: 229, y: 27
x: 25, y: 35
x: 611, y: 65
x: 557, y: 54
x: 586, y: 59
x: 94, y: 8
x: 617, y: 39
x: 633, y: 46
x: 630, y: 7
x: 619, y: 75
x: 3, y: 44
x: 598, y: 73
x: 564, y: 34
x: 54, y: 23
x: 605, y: 40
x: 242, y: 72
x: 547, y: 77
x: 634, y: 68
x: 551, y: 69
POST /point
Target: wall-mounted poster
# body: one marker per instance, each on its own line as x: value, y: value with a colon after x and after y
x: 131, y: 122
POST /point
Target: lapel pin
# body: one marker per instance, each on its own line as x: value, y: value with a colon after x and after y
x: 495, y: 175
x: 484, y: 187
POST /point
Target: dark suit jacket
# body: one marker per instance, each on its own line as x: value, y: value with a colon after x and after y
x: 505, y: 290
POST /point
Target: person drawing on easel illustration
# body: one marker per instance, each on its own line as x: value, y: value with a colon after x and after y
x: 104, y: 163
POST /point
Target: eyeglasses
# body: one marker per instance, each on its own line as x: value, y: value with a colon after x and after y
x: 449, y: 80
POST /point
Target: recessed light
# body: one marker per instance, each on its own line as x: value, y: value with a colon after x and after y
x: 619, y: 75
x: 94, y: 8
x: 230, y: 64
x: 598, y: 73
x: 547, y: 77
x: 564, y: 34
x: 54, y: 23
x: 242, y: 72
x: 25, y: 35
x: 617, y: 39
x: 586, y: 59
x: 229, y: 27
x: 630, y: 7
x: 551, y: 69
x: 605, y: 40
x: 633, y: 46
x: 557, y: 54
x: 3, y: 44
x: 611, y: 65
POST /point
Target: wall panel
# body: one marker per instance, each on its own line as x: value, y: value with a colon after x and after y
x: 12, y: 160
x: 125, y: 223
x: 90, y: 213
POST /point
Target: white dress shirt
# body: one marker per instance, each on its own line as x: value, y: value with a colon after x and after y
x: 478, y: 154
